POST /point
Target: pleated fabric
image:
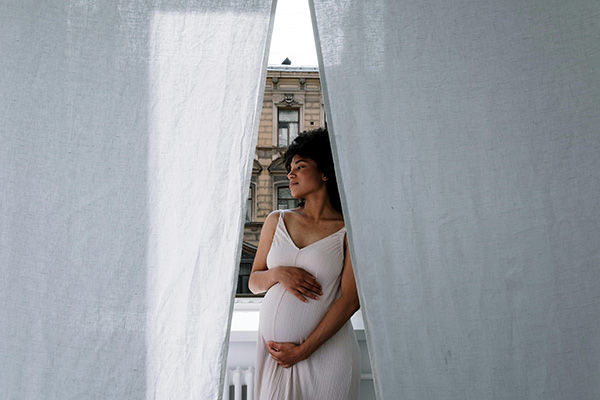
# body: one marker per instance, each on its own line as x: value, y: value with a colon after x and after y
x: 466, y: 140
x: 333, y: 370
x: 128, y: 130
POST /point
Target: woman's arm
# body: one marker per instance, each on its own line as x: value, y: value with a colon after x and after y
x: 339, y: 312
x: 261, y: 277
x: 263, y: 280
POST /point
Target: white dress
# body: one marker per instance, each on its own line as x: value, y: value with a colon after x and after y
x: 332, y: 372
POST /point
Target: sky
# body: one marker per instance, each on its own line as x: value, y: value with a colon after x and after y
x: 293, y: 35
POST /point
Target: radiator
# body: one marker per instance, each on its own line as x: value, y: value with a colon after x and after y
x: 242, y: 382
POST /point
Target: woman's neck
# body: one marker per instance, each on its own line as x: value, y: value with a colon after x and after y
x: 317, y: 209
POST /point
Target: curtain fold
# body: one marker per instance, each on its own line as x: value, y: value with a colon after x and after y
x: 128, y: 131
x: 466, y: 144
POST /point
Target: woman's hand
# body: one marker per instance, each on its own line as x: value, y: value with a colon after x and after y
x: 286, y: 353
x: 299, y: 282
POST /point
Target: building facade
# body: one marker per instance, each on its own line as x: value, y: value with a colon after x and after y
x: 293, y: 103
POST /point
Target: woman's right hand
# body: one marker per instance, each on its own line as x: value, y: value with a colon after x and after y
x: 299, y: 282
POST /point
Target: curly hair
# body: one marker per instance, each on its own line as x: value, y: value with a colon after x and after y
x: 315, y: 145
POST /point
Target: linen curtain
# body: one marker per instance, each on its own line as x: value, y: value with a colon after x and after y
x: 128, y: 129
x: 466, y: 142
x: 127, y: 133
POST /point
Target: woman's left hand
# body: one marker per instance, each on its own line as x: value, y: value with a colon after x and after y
x: 286, y: 353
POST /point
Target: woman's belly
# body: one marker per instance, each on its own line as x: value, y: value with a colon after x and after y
x: 286, y: 318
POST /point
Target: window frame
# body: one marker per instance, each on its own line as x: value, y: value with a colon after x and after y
x: 298, y: 110
x: 276, y: 186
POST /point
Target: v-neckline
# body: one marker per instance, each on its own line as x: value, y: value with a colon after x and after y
x: 292, y: 240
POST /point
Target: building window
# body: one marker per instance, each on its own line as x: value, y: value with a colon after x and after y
x: 249, y: 204
x: 287, y: 125
x: 285, y: 201
x: 242, y: 289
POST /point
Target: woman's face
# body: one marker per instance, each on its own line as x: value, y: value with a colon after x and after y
x: 304, y: 176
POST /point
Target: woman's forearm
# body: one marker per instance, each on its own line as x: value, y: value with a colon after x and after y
x: 260, y: 281
x: 337, y: 315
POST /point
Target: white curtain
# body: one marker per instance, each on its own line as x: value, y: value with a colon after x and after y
x: 127, y: 133
x: 467, y: 148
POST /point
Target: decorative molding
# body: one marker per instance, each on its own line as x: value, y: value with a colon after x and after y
x: 248, y: 249
x: 277, y: 167
x: 288, y: 100
x: 256, y: 168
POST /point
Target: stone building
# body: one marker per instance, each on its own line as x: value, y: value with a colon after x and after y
x: 293, y: 103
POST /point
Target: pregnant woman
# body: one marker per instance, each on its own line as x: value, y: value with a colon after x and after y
x: 306, y: 344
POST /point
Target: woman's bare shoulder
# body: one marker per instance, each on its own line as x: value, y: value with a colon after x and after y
x: 271, y: 219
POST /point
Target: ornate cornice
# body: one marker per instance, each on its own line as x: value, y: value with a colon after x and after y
x: 288, y: 100
x: 256, y: 168
x: 277, y: 166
